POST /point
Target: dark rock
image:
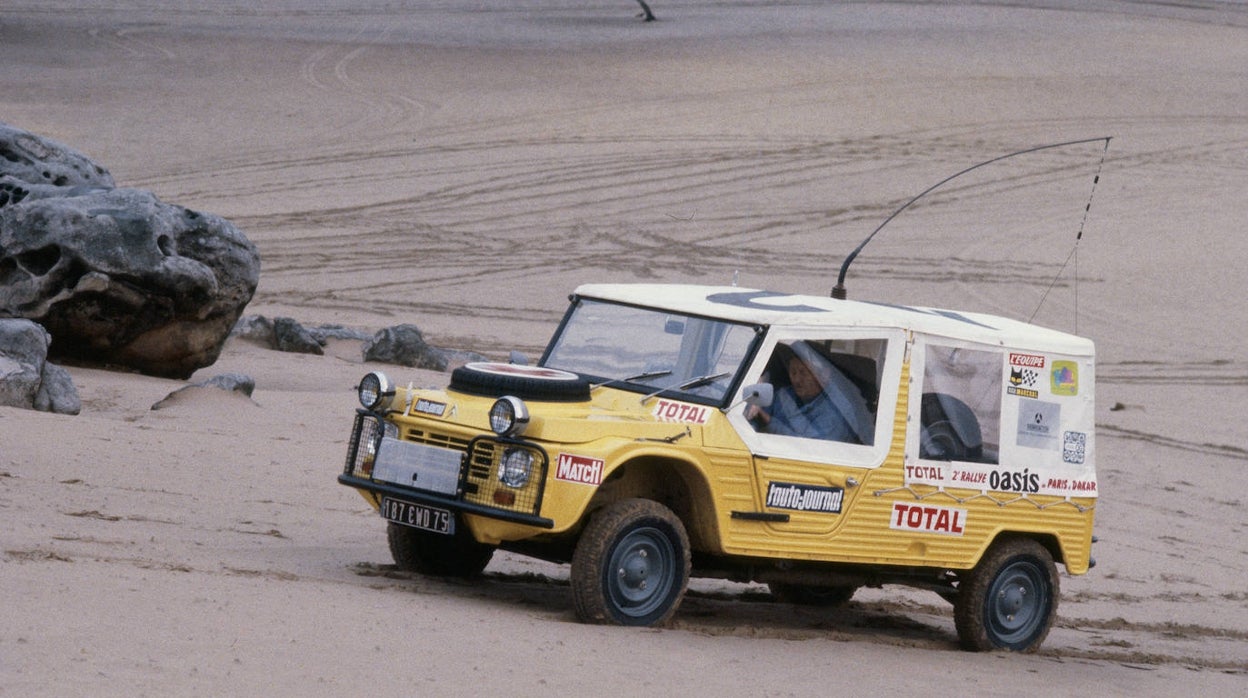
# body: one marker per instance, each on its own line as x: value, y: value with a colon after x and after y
x: 36, y: 162
x: 229, y: 382
x: 23, y: 351
x: 27, y: 380
x: 257, y: 328
x: 233, y: 382
x: 57, y: 392
x: 117, y: 276
x: 289, y: 335
x: 324, y: 333
x: 459, y: 357
x: 404, y: 345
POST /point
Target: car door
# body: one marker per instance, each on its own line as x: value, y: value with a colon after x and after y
x: 829, y: 425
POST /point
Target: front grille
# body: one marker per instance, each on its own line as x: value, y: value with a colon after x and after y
x: 483, y: 486
x: 479, y: 482
x: 432, y: 439
x: 483, y: 461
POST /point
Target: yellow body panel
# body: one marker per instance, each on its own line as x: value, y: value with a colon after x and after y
x: 617, y: 429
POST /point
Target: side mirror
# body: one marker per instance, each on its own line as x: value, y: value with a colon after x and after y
x: 759, y: 394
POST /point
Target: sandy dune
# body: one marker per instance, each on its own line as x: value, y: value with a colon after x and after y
x: 463, y: 165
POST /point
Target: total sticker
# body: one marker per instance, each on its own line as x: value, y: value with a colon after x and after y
x: 672, y: 411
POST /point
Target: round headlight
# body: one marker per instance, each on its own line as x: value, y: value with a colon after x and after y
x: 515, y: 467
x: 509, y: 416
x: 375, y: 389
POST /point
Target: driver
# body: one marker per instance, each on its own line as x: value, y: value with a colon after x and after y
x: 819, y: 402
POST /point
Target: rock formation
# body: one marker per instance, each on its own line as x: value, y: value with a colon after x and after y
x: 115, y: 275
x: 289, y: 335
x: 404, y: 345
x: 27, y: 380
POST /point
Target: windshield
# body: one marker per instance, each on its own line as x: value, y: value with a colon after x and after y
x: 648, y: 350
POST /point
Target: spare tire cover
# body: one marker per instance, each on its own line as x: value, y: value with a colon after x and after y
x: 527, y: 382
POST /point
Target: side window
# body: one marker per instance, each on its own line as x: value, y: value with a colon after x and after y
x: 825, y: 389
x: 961, y: 409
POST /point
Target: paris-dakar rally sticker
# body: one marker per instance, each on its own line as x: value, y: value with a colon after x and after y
x: 669, y: 411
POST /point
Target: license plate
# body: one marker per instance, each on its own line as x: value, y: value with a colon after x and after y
x: 419, y: 466
x: 418, y: 516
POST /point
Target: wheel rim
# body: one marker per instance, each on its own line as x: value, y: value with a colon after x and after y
x: 639, y: 578
x: 943, y: 440
x: 1017, y: 604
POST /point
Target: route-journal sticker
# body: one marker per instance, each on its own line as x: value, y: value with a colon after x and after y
x: 786, y: 495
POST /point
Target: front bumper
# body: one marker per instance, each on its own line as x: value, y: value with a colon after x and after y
x: 435, y: 500
x: 473, y: 490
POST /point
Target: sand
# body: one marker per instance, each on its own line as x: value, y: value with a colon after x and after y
x: 464, y: 165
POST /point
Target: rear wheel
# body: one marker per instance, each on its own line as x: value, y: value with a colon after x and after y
x: 1009, y: 601
x: 631, y: 565
x: 805, y: 595
x: 435, y: 554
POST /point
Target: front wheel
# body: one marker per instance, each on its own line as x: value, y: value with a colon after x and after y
x: 435, y: 554
x: 1009, y: 601
x: 631, y: 565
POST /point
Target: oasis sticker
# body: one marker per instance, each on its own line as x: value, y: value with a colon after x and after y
x: 785, y: 495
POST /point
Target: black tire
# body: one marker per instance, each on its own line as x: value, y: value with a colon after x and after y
x: 631, y: 565
x: 806, y: 595
x: 941, y: 442
x: 435, y: 554
x: 1009, y: 601
x: 525, y: 382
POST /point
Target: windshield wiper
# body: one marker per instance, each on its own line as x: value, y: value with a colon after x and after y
x: 639, y: 377
x: 690, y: 384
x: 646, y: 376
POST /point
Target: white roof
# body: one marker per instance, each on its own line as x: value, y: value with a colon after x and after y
x: 770, y: 308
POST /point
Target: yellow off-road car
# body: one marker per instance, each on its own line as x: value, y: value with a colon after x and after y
x: 813, y: 444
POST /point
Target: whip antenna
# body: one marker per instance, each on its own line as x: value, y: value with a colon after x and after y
x: 839, y: 291
x: 1074, y: 250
